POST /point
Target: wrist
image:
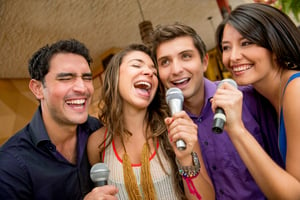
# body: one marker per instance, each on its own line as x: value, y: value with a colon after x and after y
x: 190, y: 171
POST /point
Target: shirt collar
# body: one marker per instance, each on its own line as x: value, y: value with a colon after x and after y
x: 37, y: 128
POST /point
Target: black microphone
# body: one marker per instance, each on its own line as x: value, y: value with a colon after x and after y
x: 174, y: 98
x: 220, y: 117
x: 99, y: 174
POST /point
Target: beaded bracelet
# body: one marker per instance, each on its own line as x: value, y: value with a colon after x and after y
x: 190, y: 171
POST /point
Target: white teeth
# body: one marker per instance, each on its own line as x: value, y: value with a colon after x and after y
x: 241, y: 68
x: 180, y: 81
x: 148, y: 85
x: 77, y: 101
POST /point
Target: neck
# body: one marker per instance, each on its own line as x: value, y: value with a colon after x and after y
x: 271, y: 89
x: 135, y: 121
x: 195, y: 103
x: 63, y: 136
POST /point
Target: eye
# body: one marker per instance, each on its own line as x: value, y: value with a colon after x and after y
x: 246, y: 43
x: 225, y: 47
x: 65, y: 78
x: 87, y: 77
x: 186, y: 56
x: 136, y: 65
x: 164, y: 62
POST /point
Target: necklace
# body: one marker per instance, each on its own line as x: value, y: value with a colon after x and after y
x: 146, y: 179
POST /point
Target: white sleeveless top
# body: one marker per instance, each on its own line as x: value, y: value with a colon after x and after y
x: 162, y: 182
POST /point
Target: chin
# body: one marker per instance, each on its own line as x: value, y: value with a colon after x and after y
x: 80, y: 120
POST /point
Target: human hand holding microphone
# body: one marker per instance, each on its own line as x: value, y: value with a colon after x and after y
x: 99, y: 175
x: 183, y: 132
x: 228, y: 98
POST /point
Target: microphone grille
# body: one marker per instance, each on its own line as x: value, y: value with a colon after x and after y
x: 99, y: 172
x: 228, y: 80
x: 174, y: 93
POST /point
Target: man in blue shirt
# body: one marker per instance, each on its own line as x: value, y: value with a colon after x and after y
x: 47, y: 159
x: 182, y: 60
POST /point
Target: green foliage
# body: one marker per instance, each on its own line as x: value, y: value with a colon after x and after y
x: 288, y: 6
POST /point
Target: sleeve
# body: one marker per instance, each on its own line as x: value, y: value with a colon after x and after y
x: 14, y: 180
x: 93, y: 124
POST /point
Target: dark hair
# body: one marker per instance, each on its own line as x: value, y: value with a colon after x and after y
x: 38, y: 65
x: 164, y: 33
x: 112, y: 116
x: 267, y: 27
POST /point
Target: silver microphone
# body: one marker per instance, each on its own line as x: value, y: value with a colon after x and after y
x: 174, y: 98
x: 99, y: 174
x: 220, y: 117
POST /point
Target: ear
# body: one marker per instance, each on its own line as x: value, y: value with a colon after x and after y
x: 36, y: 88
x: 205, y: 62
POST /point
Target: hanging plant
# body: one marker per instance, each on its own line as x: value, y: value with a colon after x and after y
x: 289, y: 6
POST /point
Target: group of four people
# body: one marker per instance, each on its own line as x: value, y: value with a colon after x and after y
x: 136, y: 135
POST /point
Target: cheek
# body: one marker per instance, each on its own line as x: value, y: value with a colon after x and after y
x: 163, y: 74
x: 90, y: 88
x: 225, y: 59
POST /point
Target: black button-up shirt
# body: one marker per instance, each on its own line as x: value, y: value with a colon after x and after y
x: 31, y: 168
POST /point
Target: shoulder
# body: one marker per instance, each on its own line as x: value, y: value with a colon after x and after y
x: 94, y: 141
x: 92, y: 124
x: 97, y: 136
x: 291, y: 92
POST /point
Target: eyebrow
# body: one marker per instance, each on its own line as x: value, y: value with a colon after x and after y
x: 139, y: 60
x: 60, y: 75
x: 135, y: 59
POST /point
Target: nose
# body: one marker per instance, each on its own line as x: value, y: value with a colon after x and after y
x: 176, y: 67
x: 79, y: 85
x: 235, y: 54
x: 148, y: 71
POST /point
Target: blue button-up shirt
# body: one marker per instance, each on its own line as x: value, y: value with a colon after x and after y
x: 230, y: 176
x: 31, y: 168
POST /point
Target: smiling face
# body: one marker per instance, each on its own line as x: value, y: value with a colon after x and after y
x: 248, y: 62
x: 180, y: 65
x: 138, y: 80
x: 67, y: 90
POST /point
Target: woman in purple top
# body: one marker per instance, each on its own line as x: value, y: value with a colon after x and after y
x: 261, y: 46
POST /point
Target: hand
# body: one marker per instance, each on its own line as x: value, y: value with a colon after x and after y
x: 106, y: 192
x: 181, y: 126
x: 230, y: 100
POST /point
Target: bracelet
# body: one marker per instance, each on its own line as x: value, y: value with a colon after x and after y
x: 190, y: 171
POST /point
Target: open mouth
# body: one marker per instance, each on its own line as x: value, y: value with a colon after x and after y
x: 76, y: 102
x: 143, y: 87
x: 181, y: 81
x: 241, y: 68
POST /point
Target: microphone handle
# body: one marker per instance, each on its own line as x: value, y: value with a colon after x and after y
x: 180, y: 144
x: 100, y: 183
x: 219, y: 120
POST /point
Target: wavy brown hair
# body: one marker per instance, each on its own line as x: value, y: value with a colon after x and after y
x: 112, y: 117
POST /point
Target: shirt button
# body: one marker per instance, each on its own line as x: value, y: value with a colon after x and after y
x: 221, y: 191
x: 51, y: 148
x: 199, y: 119
x: 206, y: 143
x: 214, y: 167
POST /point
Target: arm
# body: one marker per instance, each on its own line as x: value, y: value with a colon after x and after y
x: 95, y: 139
x: 103, y: 192
x: 180, y: 126
x: 275, y: 182
x: 14, y: 182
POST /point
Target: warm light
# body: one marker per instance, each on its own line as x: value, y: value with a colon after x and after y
x: 265, y: 1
